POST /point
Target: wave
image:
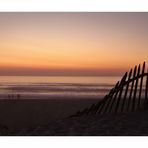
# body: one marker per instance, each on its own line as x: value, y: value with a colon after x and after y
x: 55, y: 89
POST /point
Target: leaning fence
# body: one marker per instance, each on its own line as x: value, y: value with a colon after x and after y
x: 129, y: 94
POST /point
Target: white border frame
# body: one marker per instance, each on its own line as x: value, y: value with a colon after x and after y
x: 74, y: 5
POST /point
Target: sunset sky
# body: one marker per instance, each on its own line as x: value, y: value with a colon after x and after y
x: 72, y: 43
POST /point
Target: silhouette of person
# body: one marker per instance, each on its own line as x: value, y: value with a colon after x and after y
x: 12, y: 96
x: 9, y: 96
x: 18, y: 96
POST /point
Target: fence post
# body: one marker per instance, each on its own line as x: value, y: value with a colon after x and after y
x: 146, y: 91
x: 109, y: 100
x: 91, y: 108
x: 97, y: 107
x: 103, y: 103
x: 114, y: 96
x: 146, y: 96
x: 125, y: 94
x: 129, y: 101
x: 120, y: 94
x: 135, y: 91
x: 140, y: 89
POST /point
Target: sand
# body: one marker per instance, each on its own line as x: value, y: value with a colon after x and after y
x: 125, y: 124
x: 49, y: 118
x: 28, y: 113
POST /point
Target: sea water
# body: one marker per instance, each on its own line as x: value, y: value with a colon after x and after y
x: 49, y: 87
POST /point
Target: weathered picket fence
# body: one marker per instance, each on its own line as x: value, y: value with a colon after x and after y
x: 129, y: 94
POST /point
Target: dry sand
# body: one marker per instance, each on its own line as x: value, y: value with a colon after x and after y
x: 47, y: 118
x: 125, y: 124
x: 26, y: 113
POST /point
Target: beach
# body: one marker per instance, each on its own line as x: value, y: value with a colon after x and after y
x: 52, y: 118
x: 123, y: 124
x: 26, y: 113
x: 47, y: 108
x: 27, y: 101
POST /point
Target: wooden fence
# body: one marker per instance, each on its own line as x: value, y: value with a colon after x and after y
x: 129, y: 94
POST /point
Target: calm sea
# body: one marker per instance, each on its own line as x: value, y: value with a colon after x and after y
x: 56, y: 87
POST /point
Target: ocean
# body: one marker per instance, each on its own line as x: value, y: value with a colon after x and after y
x: 49, y: 87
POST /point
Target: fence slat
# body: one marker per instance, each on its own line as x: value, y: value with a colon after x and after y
x: 97, y: 107
x: 120, y: 94
x: 114, y: 97
x: 125, y: 94
x: 131, y: 90
x: 106, y: 99
x: 141, y: 82
x: 90, y: 109
x: 146, y: 89
x: 84, y: 112
x: 109, y: 100
x: 103, y: 104
x: 135, y: 91
x: 145, y: 103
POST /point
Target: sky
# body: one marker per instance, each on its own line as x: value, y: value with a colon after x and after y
x: 72, y: 43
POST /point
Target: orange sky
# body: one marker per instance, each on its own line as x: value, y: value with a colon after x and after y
x: 72, y: 43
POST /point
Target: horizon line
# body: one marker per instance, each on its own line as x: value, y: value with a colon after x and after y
x: 61, y: 75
